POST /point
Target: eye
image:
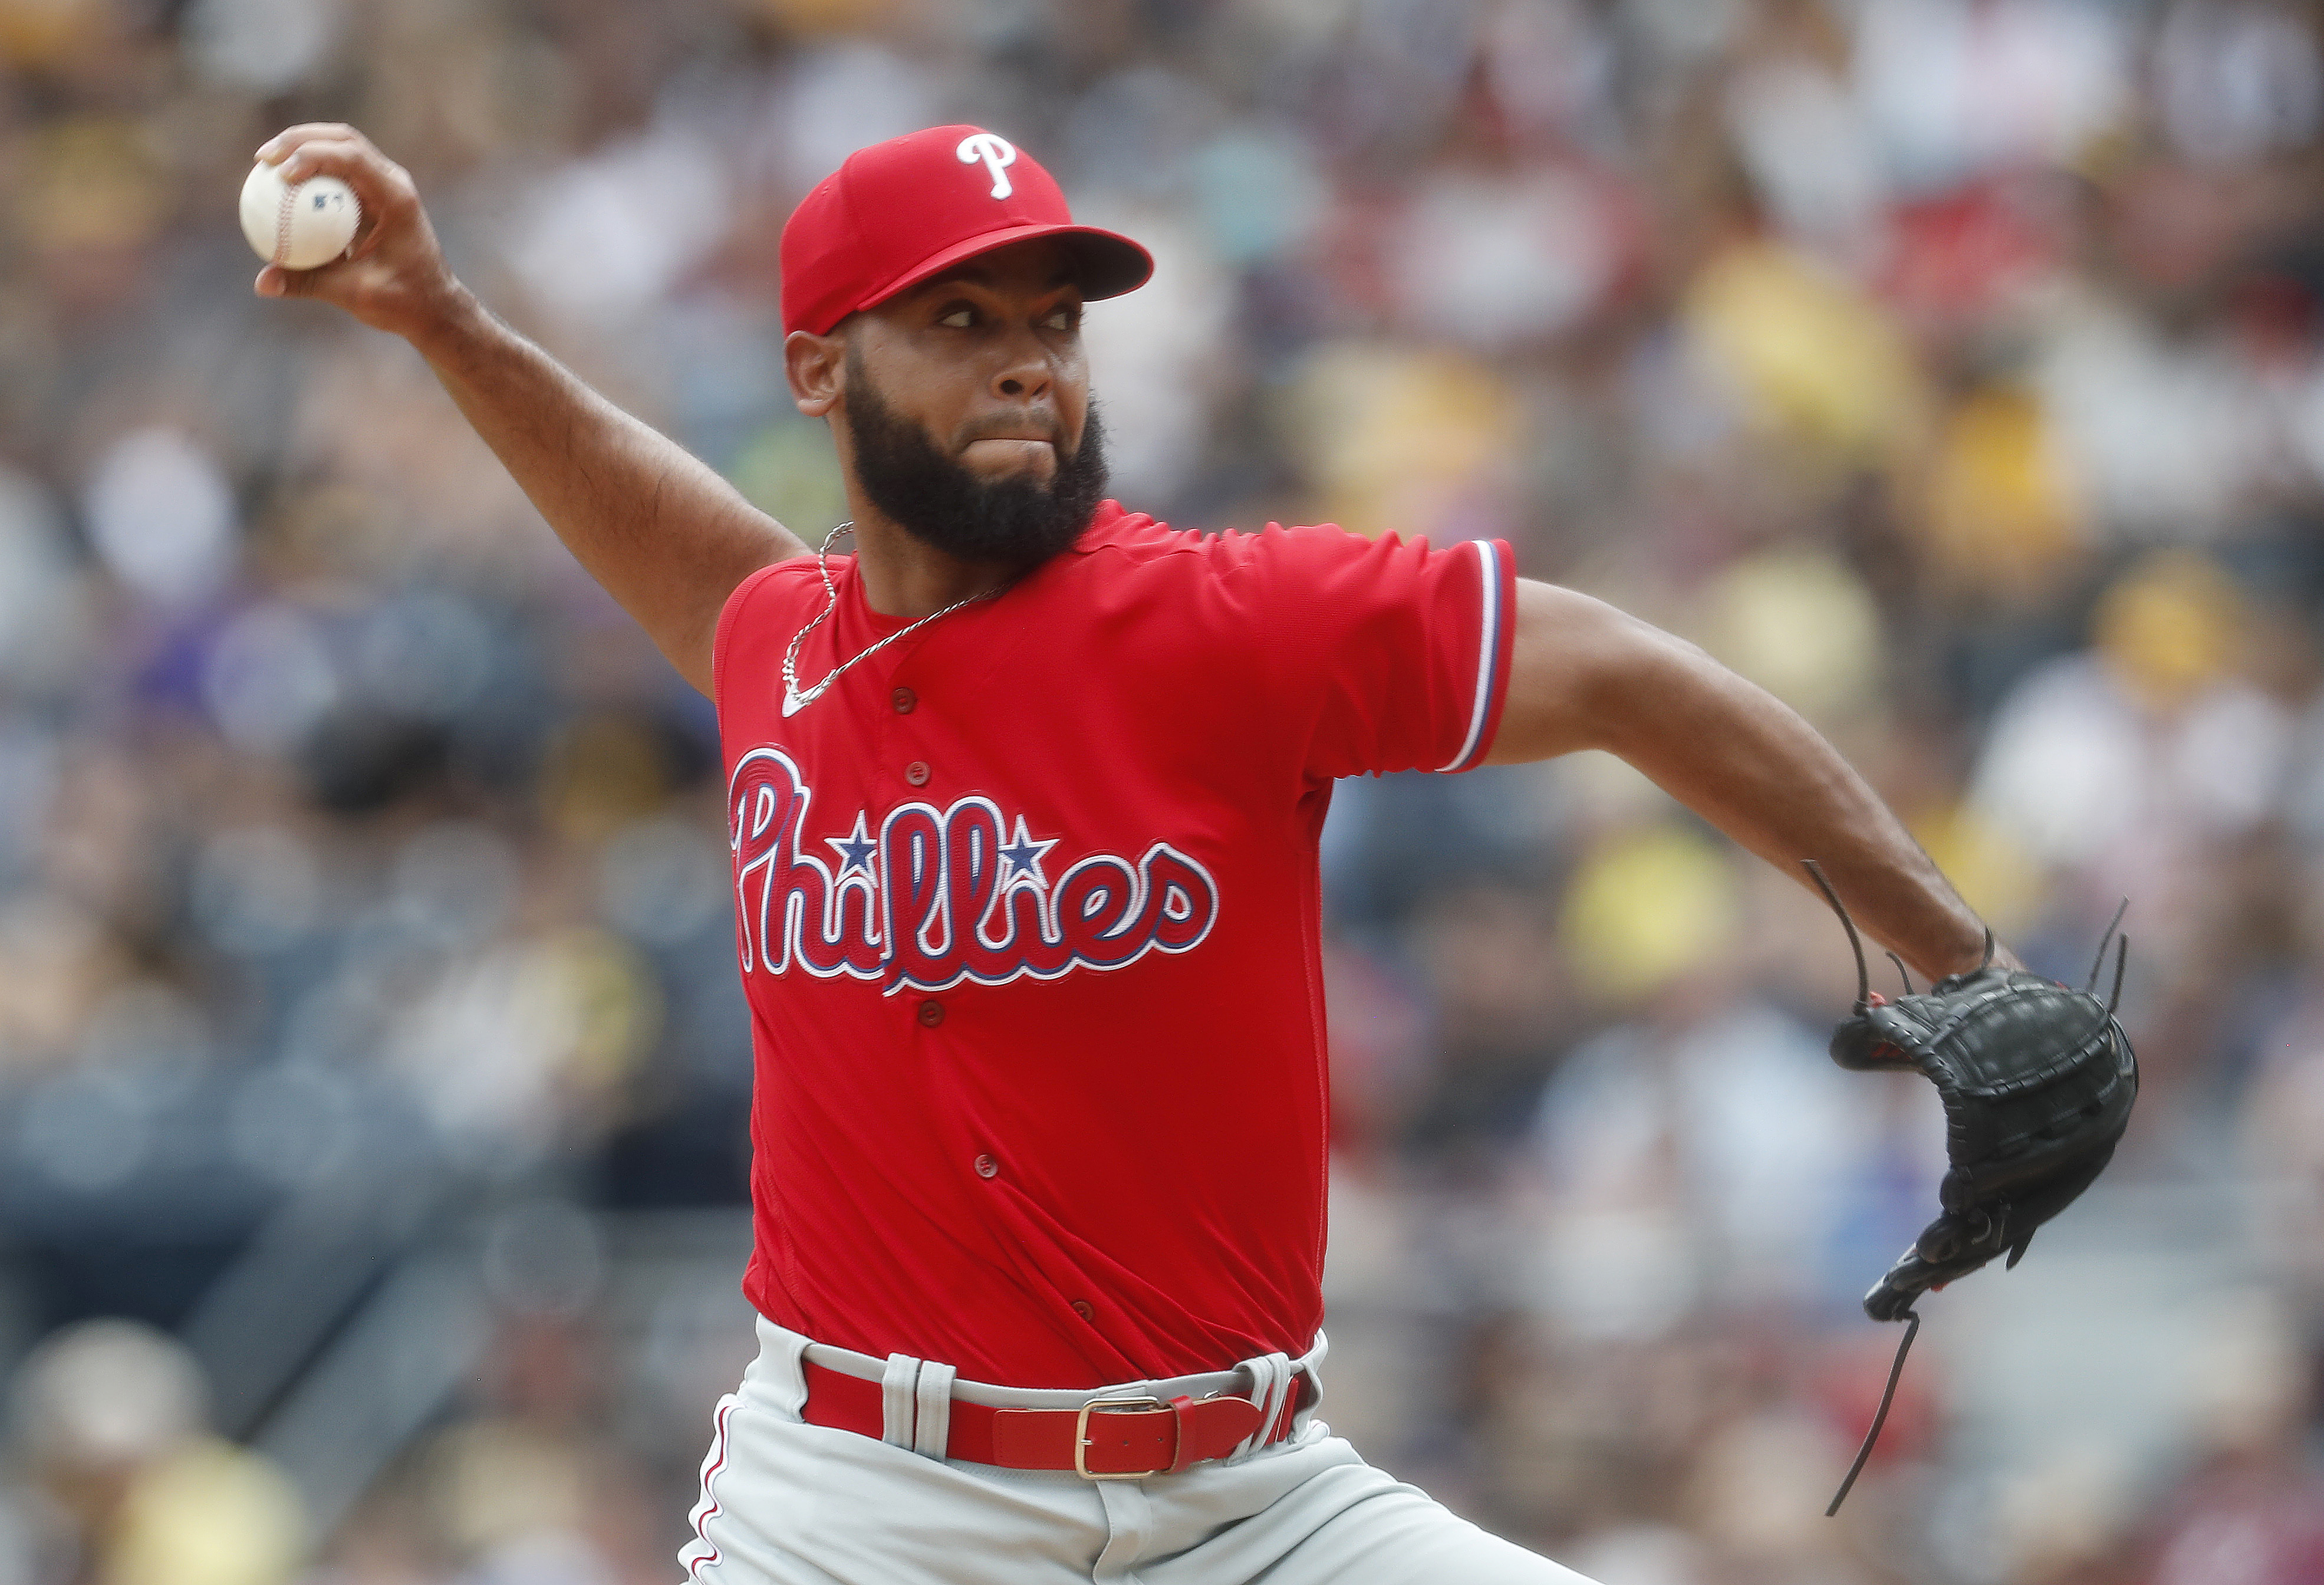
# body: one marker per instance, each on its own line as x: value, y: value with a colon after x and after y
x: 1065, y: 319
x: 959, y: 317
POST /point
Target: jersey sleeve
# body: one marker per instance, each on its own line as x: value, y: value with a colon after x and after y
x: 1382, y: 655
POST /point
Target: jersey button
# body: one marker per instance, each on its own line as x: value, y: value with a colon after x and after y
x: 986, y: 1168
x: 931, y: 1013
x: 916, y: 773
x: 1082, y: 1308
x: 903, y: 700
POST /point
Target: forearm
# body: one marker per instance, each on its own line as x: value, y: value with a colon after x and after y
x: 1748, y: 764
x: 1586, y: 676
x: 662, y: 530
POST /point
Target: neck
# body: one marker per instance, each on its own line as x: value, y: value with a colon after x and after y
x: 905, y: 576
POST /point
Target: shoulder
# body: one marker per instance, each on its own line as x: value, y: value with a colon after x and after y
x: 781, y: 580
x: 1119, y: 540
x: 772, y: 593
x: 774, y: 589
x: 1274, y: 583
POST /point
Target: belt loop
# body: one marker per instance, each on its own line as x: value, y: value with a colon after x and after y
x: 932, y: 1425
x: 1270, y: 1379
x: 782, y: 1360
x: 1182, y: 1414
x: 898, y: 1400
x: 1310, y: 1397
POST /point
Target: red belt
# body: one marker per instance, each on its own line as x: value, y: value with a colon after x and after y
x: 1106, y: 1439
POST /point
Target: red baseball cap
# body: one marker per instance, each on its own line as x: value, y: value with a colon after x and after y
x: 898, y: 212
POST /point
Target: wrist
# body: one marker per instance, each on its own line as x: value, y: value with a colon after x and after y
x: 445, y: 320
x: 1973, y: 955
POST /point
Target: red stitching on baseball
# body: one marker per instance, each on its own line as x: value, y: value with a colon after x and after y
x: 282, y: 212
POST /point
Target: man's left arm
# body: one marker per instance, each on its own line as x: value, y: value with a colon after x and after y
x: 1583, y: 674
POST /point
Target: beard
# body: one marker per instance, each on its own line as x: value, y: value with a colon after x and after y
x: 1016, y: 521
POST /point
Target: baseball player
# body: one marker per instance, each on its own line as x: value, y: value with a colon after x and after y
x: 1024, y: 793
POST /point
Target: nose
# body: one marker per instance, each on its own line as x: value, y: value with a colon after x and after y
x: 1027, y: 370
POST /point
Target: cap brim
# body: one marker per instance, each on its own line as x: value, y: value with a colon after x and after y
x: 1105, y: 262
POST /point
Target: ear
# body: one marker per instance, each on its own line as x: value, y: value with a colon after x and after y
x: 813, y: 365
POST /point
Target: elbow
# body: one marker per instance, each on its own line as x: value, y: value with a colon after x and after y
x: 1645, y: 684
x: 1588, y: 675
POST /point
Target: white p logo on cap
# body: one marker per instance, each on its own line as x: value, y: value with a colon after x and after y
x: 998, y: 154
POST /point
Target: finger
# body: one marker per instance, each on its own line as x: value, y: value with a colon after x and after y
x: 342, y: 281
x: 279, y: 147
x: 380, y: 185
x: 274, y: 280
x: 367, y: 235
x: 329, y: 157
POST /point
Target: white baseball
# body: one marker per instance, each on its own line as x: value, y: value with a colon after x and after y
x: 297, y: 227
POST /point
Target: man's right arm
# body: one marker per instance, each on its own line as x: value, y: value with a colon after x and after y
x: 662, y: 531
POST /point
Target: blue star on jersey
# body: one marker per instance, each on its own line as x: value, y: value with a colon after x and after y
x: 1022, y: 855
x: 856, y: 848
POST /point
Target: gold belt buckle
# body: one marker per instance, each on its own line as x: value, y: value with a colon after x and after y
x: 1082, y: 1435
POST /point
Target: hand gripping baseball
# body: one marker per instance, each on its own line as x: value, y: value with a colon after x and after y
x: 2037, y: 1081
x: 394, y: 277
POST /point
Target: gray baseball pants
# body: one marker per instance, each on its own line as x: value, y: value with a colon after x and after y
x: 787, y: 1502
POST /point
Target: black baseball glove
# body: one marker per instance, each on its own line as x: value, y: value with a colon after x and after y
x: 2037, y: 1081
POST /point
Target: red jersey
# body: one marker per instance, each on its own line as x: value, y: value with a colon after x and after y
x: 1029, y: 919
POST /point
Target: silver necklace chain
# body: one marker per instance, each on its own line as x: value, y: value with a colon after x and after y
x: 794, y: 699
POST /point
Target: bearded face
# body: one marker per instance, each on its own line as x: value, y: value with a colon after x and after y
x: 1014, y: 520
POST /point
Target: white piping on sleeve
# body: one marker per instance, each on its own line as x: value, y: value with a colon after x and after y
x: 1489, y: 650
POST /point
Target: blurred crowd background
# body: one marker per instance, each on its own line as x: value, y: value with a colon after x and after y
x: 373, y: 1074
